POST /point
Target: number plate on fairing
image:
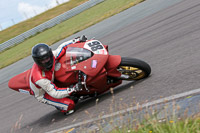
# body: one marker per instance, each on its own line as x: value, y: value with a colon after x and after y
x: 96, y: 47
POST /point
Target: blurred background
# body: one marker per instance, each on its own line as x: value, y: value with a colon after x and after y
x: 15, y: 11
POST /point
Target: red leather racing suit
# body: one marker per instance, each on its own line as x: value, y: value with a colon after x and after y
x: 45, y: 91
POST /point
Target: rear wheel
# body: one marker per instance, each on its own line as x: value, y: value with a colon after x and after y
x: 133, y: 69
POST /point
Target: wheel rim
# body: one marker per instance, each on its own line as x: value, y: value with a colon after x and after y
x: 133, y: 72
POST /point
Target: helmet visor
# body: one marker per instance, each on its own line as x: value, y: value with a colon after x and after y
x: 44, y: 61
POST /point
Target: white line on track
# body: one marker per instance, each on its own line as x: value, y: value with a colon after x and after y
x: 159, y: 101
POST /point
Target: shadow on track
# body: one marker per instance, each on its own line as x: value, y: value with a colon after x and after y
x: 56, y: 116
x: 82, y: 105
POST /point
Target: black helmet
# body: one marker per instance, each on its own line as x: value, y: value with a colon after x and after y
x: 43, y: 56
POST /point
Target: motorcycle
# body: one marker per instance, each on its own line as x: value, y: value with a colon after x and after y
x: 90, y: 65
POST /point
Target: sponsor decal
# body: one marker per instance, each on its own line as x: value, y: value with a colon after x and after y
x: 102, y: 52
x: 94, y: 64
x: 74, y: 67
x: 24, y: 91
x: 57, y: 66
x: 43, y: 74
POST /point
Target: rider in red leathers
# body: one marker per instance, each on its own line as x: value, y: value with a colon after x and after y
x: 42, y: 77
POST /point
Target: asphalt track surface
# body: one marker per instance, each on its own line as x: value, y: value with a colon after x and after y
x: 168, y: 39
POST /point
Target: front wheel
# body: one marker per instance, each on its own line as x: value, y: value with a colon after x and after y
x: 133, y: 69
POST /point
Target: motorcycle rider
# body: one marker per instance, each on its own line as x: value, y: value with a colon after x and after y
x: 42, y: 76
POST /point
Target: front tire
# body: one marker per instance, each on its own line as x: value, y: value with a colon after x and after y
x: 133, y: 69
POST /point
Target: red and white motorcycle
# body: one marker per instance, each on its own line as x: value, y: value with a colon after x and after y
x: 90, y: 65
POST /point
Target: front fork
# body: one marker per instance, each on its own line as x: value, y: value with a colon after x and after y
x: 80, y: 83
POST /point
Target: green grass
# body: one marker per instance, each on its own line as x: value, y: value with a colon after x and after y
x: 65, y: 29
x: 189, y: 125
x: 168, y: 120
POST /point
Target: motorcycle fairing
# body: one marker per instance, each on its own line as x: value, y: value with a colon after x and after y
x: 112, y: 64
x: 20, y: 82
x: 86, y: 66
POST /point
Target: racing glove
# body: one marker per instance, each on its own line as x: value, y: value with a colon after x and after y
x: 72, y: 90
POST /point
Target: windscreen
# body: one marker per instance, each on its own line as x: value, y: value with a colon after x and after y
x: 76, y: 55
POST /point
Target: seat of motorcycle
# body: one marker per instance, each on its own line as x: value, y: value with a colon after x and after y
x: 20, y: 81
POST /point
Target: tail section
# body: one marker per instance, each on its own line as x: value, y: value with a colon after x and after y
x: 20, y: 82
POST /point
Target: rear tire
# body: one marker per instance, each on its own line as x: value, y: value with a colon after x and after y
x: 134, y: 68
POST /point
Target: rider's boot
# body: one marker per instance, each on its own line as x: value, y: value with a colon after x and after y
x: 70, y: 109
x: 68, y: 112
